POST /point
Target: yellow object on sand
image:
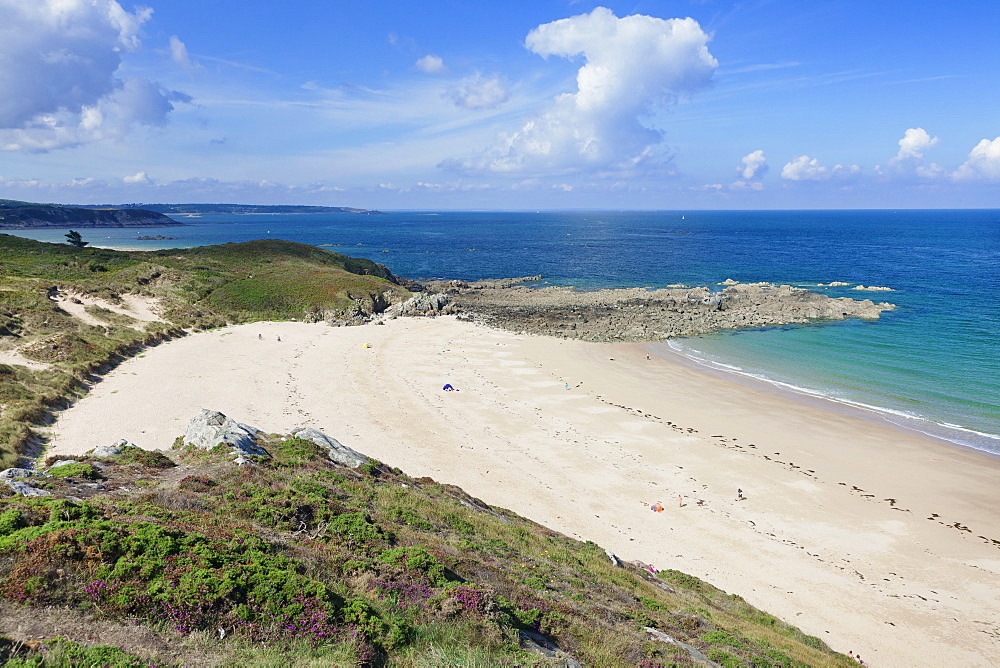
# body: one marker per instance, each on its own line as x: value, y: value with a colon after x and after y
x: 367, y: 345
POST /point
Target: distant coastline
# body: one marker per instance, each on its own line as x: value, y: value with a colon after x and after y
x: 15, y: 215
x: 241, y: 209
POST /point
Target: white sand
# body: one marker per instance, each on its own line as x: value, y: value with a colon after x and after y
x: 143, y: 309
x: 816, y: 543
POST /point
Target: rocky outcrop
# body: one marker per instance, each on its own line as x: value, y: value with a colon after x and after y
x: 639, y: 314
x: 111, y: 450
x: 25, y: 489
x: 421, y: 304
x: 210, y: 429
x: 338, y: 452
x: 12, y: 474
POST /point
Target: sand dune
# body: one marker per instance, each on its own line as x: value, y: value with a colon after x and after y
x: 872, y: 539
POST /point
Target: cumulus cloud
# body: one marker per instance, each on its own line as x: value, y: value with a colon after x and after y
x: 139, y: 178
x: 58, y: 81
x: 983, y: 163
x: 478, y: 93
x: 804, y: 168
x: 431, y: 64
x: 910, y: 158
x: 913, y: 144
x: 754, y: 165
x: 633, y: 65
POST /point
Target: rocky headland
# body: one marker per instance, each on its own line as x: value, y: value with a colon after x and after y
x: 15, y: 215
x: 633, y: 314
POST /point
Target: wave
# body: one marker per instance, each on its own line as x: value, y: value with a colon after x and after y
x: 954, y: 433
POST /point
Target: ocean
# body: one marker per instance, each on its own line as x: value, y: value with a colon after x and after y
x: 932, y: 364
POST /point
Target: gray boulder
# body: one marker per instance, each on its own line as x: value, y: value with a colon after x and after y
x: 26, y: 489
x: 10, y: 474
x: 339, y: 453
x: 209, y: 429
x: 111, y: 450
x: 63, y: 462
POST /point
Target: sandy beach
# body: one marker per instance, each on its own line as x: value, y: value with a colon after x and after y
x: 872, y: 539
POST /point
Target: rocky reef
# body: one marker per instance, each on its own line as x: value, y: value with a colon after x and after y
x: 639, y: 314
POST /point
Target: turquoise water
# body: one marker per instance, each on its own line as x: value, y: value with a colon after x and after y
x: 933, y: 363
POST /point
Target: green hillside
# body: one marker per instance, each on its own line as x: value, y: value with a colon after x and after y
x: 28, y: 215
x: 301, y: 562
x: 197, y: 288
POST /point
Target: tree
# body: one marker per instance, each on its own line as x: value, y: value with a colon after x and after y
x: 75, y: 239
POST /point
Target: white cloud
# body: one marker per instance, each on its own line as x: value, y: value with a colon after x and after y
x: 910, y: 158
x: 804, y: 168
x: 431, y: 64
x: 913, y: 144
x: 179, y: 53
x: 740, y: 185
x: 633, y: 65
x: 478, y: 93
x: 754, y: 165
x: 139, y: 178
x: 983, y: 163
x: 58, y: 83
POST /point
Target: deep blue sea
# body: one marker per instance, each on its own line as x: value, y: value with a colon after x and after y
x: 932, y: 364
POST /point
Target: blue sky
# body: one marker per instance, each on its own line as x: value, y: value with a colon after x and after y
x: 514, y: 105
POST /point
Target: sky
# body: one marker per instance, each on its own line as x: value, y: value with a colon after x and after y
x: 540, y: 104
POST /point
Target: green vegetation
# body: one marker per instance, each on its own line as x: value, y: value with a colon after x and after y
x: 297, y: 561
x: 197, y: 288
x: 74, y: 239
x: 15, y: 215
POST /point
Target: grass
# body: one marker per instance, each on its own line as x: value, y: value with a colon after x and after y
x: 198, y: 288
x: 326, y: 565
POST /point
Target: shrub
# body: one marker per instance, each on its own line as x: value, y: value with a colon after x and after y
x: 146, y: 459
x: 297, y: 452
x: 418, y: 559
x: 77, y: 470
x: 356, y: 527
x: 11, y: 520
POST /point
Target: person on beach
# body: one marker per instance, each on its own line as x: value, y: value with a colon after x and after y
x: 279, y: 338
x: 680, y: 501
x: 739, y: 495
x: 260, y: 337
x: 567, y: 386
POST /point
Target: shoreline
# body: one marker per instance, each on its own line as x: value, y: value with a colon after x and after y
x: 874, y: 414
x: 951, y: 434
x: 904, y: 575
